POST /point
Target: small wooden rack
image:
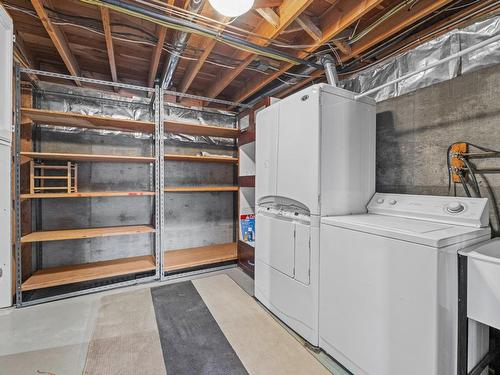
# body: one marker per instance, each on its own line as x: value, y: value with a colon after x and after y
x: 41, y: 173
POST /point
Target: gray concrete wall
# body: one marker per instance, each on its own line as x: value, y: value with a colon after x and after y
x: 415, y: 130
x: 192, y: 219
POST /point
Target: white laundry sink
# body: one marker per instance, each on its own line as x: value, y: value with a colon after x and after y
x: 483, y: 283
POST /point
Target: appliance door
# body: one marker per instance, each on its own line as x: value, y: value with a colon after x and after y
x: 276, y: 245
x: 5, y: 227
x: 298, y: 149
x: 266, y: 155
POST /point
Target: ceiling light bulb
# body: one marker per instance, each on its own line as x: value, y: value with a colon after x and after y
x: 231, y: 8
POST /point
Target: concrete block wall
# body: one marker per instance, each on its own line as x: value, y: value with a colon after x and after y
x: 415, y: 130
x: 191, y: 219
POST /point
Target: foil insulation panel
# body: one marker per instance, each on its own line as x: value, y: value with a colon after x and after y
x: 428, y: 53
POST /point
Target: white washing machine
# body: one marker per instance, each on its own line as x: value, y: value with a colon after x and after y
x: 388, y: 284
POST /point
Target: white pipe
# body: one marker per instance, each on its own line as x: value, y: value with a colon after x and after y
x: 437, y: 63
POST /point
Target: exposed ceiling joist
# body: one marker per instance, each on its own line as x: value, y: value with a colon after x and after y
x: 196, y: 65
x: 58, y: 38
x: 405, y: 18
x: 161, y: 33
x: 343, y: 47
x: 267, y: 3
x: 288, y: 11
x: 443, y: 26
x: 106, y: 23
x: 333, y: 23
x: 269, y: 15
x: 309, y: 27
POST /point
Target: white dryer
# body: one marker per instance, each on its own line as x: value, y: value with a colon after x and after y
x: 315, y: 156
x: 388, y: 284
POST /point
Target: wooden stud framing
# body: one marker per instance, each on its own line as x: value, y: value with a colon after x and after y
x: 288, y: 11
x: 332, y: 24
x: 309, y: 27
x: 106, y: 23
x: 269, y: 15
x: 57, y: 37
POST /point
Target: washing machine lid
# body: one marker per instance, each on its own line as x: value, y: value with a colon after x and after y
x: 410, y: 230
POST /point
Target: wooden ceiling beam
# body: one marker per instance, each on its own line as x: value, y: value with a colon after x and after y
x: 161, y: 33
x: 333, y: 23
x: 195, y: 66
x: 395, y: 24
x: 456, y: 20
x: 57, y: 37
x: 267, y: 3
x: 269, y: 15
x: 309, y: 27
x: 288, y: 11
x: 106, y: 24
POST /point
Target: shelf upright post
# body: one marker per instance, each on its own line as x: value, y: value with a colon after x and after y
x: 159, y: 179
x: 17, y: 177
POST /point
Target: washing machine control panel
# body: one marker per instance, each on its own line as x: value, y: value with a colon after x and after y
x: 454, y: 210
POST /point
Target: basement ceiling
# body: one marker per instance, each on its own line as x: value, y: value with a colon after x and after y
x: 74, y: 37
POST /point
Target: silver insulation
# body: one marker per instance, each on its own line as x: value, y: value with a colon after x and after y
x: 427, y: 53
x: 64, y: 98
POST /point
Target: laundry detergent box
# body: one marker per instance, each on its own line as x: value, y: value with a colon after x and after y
x: 247, y: 222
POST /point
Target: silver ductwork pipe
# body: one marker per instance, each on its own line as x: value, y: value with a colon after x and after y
x: 179, y: 44
x: 330, y: 70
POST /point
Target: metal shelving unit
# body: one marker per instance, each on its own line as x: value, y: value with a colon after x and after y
x: 146, y: 268
x: 96, y: 272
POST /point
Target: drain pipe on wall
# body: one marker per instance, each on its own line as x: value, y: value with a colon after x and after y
x: 179, y: 44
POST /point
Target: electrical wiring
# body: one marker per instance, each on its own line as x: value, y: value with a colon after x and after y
x: 472, y: 170
x: 117, y: 36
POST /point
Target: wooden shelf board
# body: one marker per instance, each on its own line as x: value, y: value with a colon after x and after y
x: 88, y: 157
x: 246, y: 181
x: 78, y: 120
x: 89, y: 194
x: 202, y: 159
x: 186, y: 189
x: 72, y: 234
x: 85, y: 272
x: 177, y: 127
x: 199, y: 256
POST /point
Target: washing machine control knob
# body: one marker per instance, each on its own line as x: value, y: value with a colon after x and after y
x: 392, y: 202
x: 455, y: 207
x: 380, y: 200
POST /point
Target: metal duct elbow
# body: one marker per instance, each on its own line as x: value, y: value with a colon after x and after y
x: 179, y: 44
x: 330, y: 70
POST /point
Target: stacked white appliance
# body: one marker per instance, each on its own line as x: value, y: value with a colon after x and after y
x: 6, y: 35
x: 389, y: 284
x: 315, y: 156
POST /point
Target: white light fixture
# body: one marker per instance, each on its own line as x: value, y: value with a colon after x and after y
x: 231, y: 8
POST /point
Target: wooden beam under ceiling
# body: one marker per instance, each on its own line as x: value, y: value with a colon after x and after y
x: 106, y: 23
x: 57, y: 37
x: 267, y: 3
x: 333, y: 23
x: 195, y: 66
x: 391, y: 26
x: 269, y: 15
x: 288, y: 11
x: 309, y: 27
x: 161, y: 33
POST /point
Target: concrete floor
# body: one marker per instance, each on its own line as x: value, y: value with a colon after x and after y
x: 58, y: 333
